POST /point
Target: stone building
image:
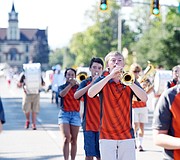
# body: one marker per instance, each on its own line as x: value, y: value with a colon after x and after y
x: 21, y: 45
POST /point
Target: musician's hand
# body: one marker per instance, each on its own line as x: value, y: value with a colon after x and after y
x: 73, y: 82
x: 95, y: 77
x: 116, y: 72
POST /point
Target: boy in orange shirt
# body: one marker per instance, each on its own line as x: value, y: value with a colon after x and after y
x: 116, y: 131
x: 91, y: 115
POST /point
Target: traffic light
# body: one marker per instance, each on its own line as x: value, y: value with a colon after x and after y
x: 103, y: 6
x: 155, y: 7
x: 179, y: 8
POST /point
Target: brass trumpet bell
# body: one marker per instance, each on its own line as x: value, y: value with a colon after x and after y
x: 81, y: 76
x: 127, y: 79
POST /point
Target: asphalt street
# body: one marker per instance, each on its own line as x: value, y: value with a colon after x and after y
x: 45, y: 143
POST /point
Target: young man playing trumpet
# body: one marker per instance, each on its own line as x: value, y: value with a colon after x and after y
x: 116, y: 131
x: 91, y: 115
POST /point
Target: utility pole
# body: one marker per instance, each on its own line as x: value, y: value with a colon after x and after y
x: 119, y: 31
x: 124, y: 3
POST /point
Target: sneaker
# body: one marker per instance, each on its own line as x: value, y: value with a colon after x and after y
x: 141, y: 149
x: 33, y: 126
x: 27, y: 125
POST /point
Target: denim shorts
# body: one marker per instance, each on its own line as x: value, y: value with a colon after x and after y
x: 72, y: 118
x: 91, y: 143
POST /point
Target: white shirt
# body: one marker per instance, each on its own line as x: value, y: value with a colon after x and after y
x: 58, y: 79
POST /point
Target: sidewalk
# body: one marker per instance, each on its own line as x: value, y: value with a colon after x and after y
x: 45, y: 143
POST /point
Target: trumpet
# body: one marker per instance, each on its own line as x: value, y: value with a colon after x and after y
x: 127, y: 78
x: 81, y: 76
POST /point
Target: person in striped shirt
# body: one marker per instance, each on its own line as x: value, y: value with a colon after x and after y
x: 91, y: 115
x: 116, y: 131
x: 166, y: 122
x: 69, y: 119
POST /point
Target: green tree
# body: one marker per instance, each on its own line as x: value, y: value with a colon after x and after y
x: 62, y: 56
x: 146, y: 38
x: 159, y: 43
x: 55, y: 57
x: 99, y: 38
x: 68, y: 58
x: 171, y: 43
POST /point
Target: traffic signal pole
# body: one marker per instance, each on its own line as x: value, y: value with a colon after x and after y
x: 147, y: 3
x: 119, y: 32
x: 120, y: 20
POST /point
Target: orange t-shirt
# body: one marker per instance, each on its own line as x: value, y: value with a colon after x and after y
x: 91, y: 115
x: 116, y: 105
x: 69, y: 103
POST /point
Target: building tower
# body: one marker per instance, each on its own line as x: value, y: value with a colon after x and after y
x: 13, y: 32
